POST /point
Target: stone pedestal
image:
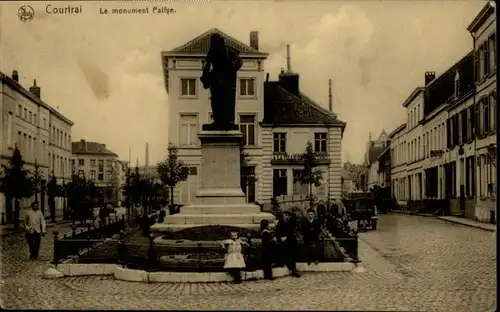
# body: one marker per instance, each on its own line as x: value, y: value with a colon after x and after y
x: 220, y: 200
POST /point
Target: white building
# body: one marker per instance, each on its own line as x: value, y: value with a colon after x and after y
x: 41, y: 133
x: 276, y: 119
x: 399, y: 152
x: 483, y: 31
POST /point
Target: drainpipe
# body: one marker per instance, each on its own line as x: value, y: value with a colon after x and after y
x: 474, y: 129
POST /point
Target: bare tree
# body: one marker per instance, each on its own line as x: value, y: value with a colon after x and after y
x: 172, y: 171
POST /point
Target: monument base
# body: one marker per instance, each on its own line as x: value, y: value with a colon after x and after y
x: 220, y: 200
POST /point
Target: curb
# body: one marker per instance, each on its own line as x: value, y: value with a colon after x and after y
x: 477, y: 226
x: 124, y: 274
x: 20, y: 230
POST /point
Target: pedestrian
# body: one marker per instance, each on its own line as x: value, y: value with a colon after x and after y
x: 234, y: 262
x: 311, y: 229
x: 162, y: 214
x: 268, y: 249
x: 138, y: 214
x: 34, y: 225
x: 285, y: 233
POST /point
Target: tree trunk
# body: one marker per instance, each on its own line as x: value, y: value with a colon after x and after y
x: 17, y: 212
x: 171, y: 195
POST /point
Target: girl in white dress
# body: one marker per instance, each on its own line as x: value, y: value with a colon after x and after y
x: 234, y: 260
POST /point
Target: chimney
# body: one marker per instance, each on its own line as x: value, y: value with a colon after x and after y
x: 429, y: 77
x: 254, y: 40
x: 330, y: 103
x: 287, y: 79
x: 83, y: 145
x: 288, y: 59
x: 35, y: 89
x: 15, y: 75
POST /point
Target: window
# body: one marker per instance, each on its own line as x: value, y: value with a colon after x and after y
x: 81, y: 173
x: 101, y: 165
x: 493, y: 110
x: 298, y: 187
x: 100, y: 176
x: 486, y: 115
x: 30, y: 118
x: 188, y: 87
x: 44, y: 123
x: 279, y: 182
x: 9, y: 129
x: 109, y: 175
x: 247, y: 127
x: 25, y: 114
x: 279, y: 142
x: 193, y: 171
x: 81, y: 162
x: 92, y: 175
x: 92, y: 162
x: 477, y: 71
x: 425, y: 145
x: 248, y: 183
x: 20, y: 111
x: 247, y: 87
x: 320, y: 142
x: 463, y: 125
x: 493, y: 52
x: 188, y: 134
x: 486, y: 59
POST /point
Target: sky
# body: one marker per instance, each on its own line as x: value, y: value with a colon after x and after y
x: 104, y: 72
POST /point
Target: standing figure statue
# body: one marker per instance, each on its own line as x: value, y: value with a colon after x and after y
x: 225, y: 63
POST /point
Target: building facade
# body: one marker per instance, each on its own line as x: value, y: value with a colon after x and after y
x: 483, y: 31
x: 95, y: 162
x: 370, y: 176
x: 452, y: 138
x: 35, y: 128
x: 270, y: 143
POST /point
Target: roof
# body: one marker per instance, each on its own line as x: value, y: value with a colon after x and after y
x: 20, y: 89
x: 442, y: 89
x: 373, y: 153
x: 201, y: 45
x: 90, y: 148
x: 481, y: 17
x: 413, y: 95
x: 284, y: 108
x: 397, y: 130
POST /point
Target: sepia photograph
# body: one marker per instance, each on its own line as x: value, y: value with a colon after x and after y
x: 333, y: 155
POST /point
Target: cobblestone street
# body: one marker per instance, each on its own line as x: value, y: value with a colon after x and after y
x: 412, y: 263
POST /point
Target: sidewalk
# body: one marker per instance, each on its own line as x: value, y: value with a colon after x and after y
x: 414, y: 213
x: 472, y: 223
x: 8, y: 229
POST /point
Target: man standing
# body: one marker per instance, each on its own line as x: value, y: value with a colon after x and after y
x: 34, y: 225
x: 310, y: 230
x: 285, y: 232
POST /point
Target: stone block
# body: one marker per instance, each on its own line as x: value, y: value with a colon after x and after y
x: 52, y: 273
x: 108, y: 268
x: 129, y: 275
x: 82, y: 269
x: 64, y: 268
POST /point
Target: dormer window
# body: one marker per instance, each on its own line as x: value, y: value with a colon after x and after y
x: 457, y: 83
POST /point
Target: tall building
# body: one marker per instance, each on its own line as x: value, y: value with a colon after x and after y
x: 275, y: 118
x: 483, y: 31
x: 95, y: 162
x: 41, y: 133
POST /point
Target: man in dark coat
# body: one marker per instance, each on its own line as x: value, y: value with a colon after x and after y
x: 285, y: 233
x: 311, y: 229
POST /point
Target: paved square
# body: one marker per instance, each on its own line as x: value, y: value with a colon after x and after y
x: 412, y: 263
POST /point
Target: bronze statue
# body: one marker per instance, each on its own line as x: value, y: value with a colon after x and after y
x: 225, y: 63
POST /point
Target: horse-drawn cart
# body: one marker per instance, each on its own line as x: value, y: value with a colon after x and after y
x: 361, y: 207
